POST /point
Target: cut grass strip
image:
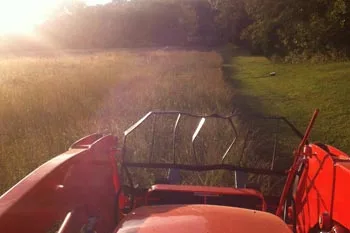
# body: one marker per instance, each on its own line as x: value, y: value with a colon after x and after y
x: 295, y: 91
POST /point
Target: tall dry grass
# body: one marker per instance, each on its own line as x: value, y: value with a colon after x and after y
x: 46, y: 103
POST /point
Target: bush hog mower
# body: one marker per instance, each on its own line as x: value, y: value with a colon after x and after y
x: 90, y: 188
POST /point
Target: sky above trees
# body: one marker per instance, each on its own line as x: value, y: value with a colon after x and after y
x: 269, y: 27
x: 23, y: 19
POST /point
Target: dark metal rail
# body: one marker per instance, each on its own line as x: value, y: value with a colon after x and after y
x: 194, y: 136
x: 200, y: 168
x: 202, y: 118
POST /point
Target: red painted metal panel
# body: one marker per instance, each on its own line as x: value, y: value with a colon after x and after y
x: 341, y: 194
x: 199, y: 218
x: 314, y: 192
x: 323, y: 188
x: 78, y: 181
x: 205, y: 189
x: 210, y: 190
x: 337, y: 153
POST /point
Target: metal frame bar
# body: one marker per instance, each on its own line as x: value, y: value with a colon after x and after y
x: 174, y: 135
x: 179, y: 115
x: 153, y: 131
x: 298, y: 160
x: 291, y: 126
x: 65, y: 222
x: 200, y: 168
x: 194, y: 136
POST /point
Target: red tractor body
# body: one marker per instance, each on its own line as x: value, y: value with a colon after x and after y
x: 320, y: 192
x: 84, y: 190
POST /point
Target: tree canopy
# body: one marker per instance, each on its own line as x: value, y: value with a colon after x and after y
x: 283, y: 27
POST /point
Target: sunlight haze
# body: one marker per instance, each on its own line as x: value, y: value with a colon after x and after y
x: 21, y: 17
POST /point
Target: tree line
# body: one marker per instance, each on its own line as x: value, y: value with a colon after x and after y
x: 282, y: 27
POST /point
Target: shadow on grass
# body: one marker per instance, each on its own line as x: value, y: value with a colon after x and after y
x: 268, y: 139
x: 248, y: 106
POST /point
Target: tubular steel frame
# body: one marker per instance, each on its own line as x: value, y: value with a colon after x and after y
x: 202, y: 118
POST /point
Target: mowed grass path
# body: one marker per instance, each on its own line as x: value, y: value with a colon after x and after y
x: 46, y: 103
x: 296, y: 91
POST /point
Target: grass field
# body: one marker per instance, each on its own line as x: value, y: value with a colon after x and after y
x: 295, y: 92
x: 49, y: 101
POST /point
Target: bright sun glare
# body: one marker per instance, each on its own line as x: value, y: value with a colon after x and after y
x: 21, y: 17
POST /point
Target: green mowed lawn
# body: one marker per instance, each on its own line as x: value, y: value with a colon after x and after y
x: 295, y: 91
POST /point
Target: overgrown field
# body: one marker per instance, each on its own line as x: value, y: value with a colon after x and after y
x: 48, y: 102
x: 295, y: 91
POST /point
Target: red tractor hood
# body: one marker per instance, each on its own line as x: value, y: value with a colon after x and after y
x: 199, y: 219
